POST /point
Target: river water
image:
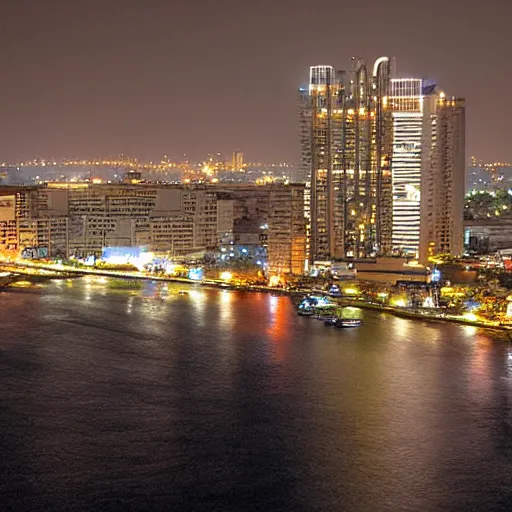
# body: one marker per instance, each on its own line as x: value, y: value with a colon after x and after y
x: 221, y: 400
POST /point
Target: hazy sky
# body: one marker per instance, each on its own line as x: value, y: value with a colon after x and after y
x: 153, y: 77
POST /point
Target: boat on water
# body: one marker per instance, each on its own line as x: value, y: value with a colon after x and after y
x: 348, y: 322
x: 305, y: 310
x: 345, y: 317
x: 334, y: 291
x: 313, y: 305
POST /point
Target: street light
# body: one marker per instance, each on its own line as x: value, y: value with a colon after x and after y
x: 226, y: 276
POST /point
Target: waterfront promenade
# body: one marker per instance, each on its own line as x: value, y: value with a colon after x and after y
x: 422, y: 314
x: 58, y: 269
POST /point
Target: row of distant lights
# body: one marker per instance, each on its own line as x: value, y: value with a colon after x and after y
x: 492, y: 192
x: 124, y: 163
x: 475, y: 162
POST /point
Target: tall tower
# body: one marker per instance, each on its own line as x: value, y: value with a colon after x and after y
x: 320, y: 121
x: 237, y: 161
x: 428, y: 168
x: 346, y: 142
x: 413, y: 106
x: 446, y: 183
x: 367, y: 148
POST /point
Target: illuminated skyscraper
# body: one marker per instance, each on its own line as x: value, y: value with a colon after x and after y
x: 321, y: 119
x: 427, y: 169
x: 346, y: 141
x: 237, y: 161
x: 412, y: 109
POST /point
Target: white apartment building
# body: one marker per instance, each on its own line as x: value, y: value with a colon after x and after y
x: 412, y: 143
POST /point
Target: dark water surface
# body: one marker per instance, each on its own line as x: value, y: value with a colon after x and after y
x: 219, y: 400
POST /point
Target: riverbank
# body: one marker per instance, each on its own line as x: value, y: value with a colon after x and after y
x: 64, y: 271
x: 425, y: 315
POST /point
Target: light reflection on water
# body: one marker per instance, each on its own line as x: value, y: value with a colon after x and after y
x: 402, y: 328
x: 226, y: 316
x: 470, y: 330
x: 129, y: 304
x: 198, y: 301
x: 197, y: 401
x: 509, y: 363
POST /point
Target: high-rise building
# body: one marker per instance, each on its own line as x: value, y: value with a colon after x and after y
x: 413, y: 107
x: 346, y: 142
x: 286, y: 229
x: 237, y: 161
x: 321, y: 121
x: 444, y: 185
x: 427, y: 169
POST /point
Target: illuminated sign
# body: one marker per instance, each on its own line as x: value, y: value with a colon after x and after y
x: 436, y: 276
x: 34, y: 253
x: 196, y: 274
x: 136, y: 256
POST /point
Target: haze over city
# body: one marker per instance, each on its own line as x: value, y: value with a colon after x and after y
x: 153, y: 78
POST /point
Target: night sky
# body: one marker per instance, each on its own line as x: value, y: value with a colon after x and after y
x: 154, y: 77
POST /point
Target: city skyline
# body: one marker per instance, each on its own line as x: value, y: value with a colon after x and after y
x: 174, y: 79
x: 385, y: 159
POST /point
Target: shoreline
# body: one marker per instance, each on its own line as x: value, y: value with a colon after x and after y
x: 412, y: 315
x: 64, y: 273
x: 399, y: 312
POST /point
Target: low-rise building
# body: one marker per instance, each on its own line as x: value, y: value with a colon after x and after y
x: 286, y: 229
x: 488, y: 235
x: 81, y: 219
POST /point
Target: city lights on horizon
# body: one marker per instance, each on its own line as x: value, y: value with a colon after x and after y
x: 213, y: 169
x: 135, y: 163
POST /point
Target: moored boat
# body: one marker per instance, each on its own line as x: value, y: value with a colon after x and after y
x: 306, y: 311
x: 334, y: 291
x: 345, y: 317
x: 312, y: 305
x: 348, y: 322
x: 331, y: 321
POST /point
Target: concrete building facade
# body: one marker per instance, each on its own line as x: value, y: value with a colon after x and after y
x: 286, y: 229
x: 81, y: 219
x: 444, y: 185
x: 488, y: 236
x: 428, y: 169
